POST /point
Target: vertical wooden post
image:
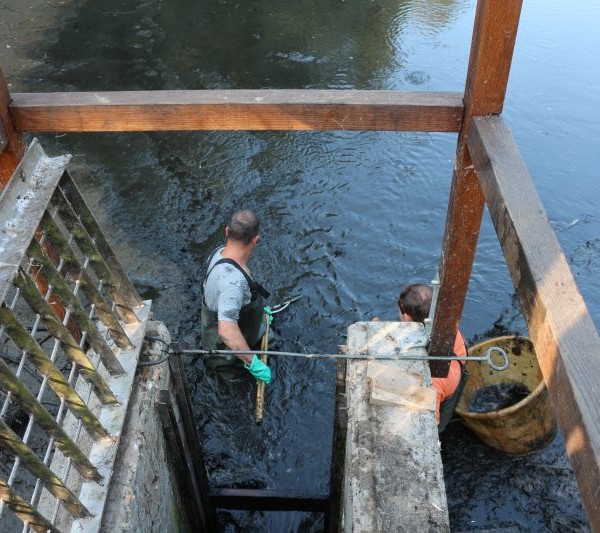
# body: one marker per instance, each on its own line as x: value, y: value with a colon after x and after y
x: 566, y: 342
x: 12, y: 145
x: 494, y: 34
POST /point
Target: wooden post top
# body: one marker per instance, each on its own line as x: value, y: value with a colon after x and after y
x: 12, y: 145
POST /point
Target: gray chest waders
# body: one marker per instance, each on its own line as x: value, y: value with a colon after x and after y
x: 250, y: 321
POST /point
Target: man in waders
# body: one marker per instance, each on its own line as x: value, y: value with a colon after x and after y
x: 414, y: 303
x: 232, y: 303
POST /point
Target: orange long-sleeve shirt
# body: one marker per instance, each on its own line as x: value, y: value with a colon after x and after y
x: 445, y: 387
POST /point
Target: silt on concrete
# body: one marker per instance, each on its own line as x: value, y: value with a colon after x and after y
x: 393, y: 469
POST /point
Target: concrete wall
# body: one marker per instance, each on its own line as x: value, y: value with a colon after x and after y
x: 393, y: 469
x: 142, y: 496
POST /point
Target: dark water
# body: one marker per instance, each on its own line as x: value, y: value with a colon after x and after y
x: 348, y: 217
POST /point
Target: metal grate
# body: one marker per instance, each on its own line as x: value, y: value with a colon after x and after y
x: 71, y: 326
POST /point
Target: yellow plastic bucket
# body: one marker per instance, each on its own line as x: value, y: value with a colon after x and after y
x: 523, y: 427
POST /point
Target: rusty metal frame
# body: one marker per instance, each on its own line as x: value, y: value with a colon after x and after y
x: 3, y: 136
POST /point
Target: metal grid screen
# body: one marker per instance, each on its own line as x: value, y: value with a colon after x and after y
x: 71, y: 325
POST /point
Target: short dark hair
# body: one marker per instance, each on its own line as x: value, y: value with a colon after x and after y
x: 243, y: 226
x: 415, y: 301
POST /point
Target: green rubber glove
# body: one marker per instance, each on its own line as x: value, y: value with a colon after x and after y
x: 259, y: 370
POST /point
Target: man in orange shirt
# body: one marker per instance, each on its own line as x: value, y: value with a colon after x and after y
x: 414, y: 303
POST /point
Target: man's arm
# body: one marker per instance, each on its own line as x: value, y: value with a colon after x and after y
x: 230, y: 303
x: 232, y: 336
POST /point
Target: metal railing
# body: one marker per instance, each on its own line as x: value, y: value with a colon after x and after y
x: 71, y: 326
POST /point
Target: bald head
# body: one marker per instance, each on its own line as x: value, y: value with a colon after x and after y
x: 243, y: 226
x: 415, y: 301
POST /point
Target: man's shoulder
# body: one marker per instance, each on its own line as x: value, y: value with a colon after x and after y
x: 214, y: 256
x: 228, y: 273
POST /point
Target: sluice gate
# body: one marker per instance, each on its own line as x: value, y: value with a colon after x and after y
x: 72, y: 326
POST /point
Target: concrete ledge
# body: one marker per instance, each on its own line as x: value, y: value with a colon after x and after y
x: 142, y: 494
x: 393, y: 469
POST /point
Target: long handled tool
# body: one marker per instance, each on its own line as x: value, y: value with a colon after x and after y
x: 260, y: 385
x: 264, y: 346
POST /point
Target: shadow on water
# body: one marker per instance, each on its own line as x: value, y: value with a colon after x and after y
x: 348, y: 217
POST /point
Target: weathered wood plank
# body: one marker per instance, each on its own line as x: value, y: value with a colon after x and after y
x: 50, y: 480
x: 237, y: 110
x: 492, y: 46
x: 24, y: 510
x: 78, y: 314
x: 333, y: 519
x: 68, y: 344
x: 393, y: 475
x: 88, y: 247
x: 126, y: 289
x: 563, y: 333
x: 200, y: 477
x: 59, y: 384
x: 177, y: 449
x: 63, y: 442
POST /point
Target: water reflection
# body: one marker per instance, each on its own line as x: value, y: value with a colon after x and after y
x: 228, y: 44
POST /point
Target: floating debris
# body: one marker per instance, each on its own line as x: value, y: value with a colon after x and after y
x: 571, y: 224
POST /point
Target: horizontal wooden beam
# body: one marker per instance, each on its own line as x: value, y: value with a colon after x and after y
x: 236, y: 110
x: 268, y: 500
x: 565, y: 338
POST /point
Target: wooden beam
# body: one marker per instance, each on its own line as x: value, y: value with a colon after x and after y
x: 269, y: 500
x: 237, y: 110
x: 24, y: 510
x: 565, y: 339
x: 127, y: 293
x: 494, y: 35
x: 12, y: 145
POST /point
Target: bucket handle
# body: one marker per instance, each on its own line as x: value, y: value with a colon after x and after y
x: 488, y: 358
